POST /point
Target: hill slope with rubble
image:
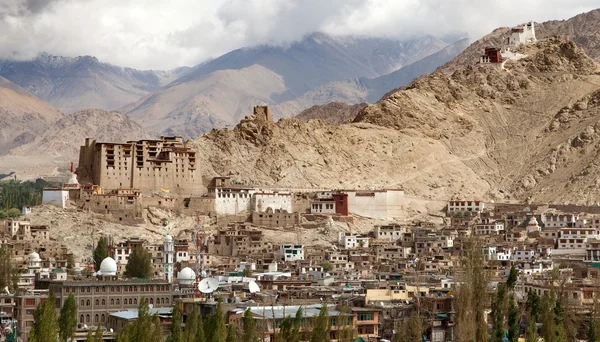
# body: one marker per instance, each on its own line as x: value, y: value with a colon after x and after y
x: 519, y: 133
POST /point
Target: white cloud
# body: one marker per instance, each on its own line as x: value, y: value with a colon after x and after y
x: 166, y: 34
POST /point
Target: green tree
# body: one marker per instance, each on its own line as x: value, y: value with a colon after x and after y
x: 90, y: 336
x: 321, y: 326
x: 231, y: 333
x: 67, y: 322
x: 7, y: 269
x: 531, y: 330
x: 290, y: 328
x: 70, y: 263
x: 100, y: 252
x: 513, y: 319
x: 145, y: 328
x: 200, y: 336
x: 346, y: 332
x: 247, y: 272
x: 191, y: 326
x: 215, y: 329
x: 249, y: 328
x: 175, y: 330
x: 99, y: 334
x: 548, y: 317
x: 326, y: 266
x: 497, y: 314
x: 45, y: 324
x: 471, y: 297
x: 157, y: 333
x: 512, y: 278
x: 532, y: 305
x: 139, y: 264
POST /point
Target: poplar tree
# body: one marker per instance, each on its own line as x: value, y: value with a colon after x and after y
x: 90, y: 336
x: 471, y: 298
x: 346, y: 332
x: 215, y: 329
x: 175, y: 330
x: 45, y: 324
x: 200, y: 336
x: 411, y: 330
x: 231, y: 334
x: 100, y: 252
x: 99, y: 334
x: 249, y: 327
x: 290, y: 328
x: 139, y: 264
x: 321, y: 327
x: 497, y: 314
x: 191, y: 326
x: 513, y: 320
x: 67, y: 323
x: 548, y: 317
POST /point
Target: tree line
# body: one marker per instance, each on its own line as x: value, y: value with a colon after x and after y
x: 15, y: 194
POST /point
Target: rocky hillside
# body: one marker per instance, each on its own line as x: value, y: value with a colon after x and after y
x: 333, y: 113
x: 22, y: 116
x: 65, y: 136
x: 58, y: 144
x: 73, y: 84
x: 526, y: 132
x: 583, y: 29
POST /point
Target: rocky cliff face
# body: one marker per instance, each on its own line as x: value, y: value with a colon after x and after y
x: 522, y: 132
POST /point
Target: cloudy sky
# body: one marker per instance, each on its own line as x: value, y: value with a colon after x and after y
x: 169, y: 33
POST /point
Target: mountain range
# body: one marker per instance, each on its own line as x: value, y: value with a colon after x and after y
x: 218, y: 93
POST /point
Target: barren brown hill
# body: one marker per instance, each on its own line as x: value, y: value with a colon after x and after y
x: 59, y: 144
x: 333, y: 113
x: 583, y: 29
x: 22, y: 116
x: 526, y: 132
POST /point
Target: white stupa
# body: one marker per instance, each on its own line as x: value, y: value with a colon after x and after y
x: 186, y: 277
x: 532, y: 225
x: 73, y: 179
x: 108, y: 267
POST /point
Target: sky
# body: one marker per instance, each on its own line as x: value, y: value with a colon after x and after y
x: 152, y: 34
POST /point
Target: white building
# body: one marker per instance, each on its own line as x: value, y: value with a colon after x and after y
x: 521, y: 255
x: 576, y: 238
x: 383, y: 204
x: 291, y: 252
x: 501, y: 255
x: 390, y: 233
x: 233, y: 202
x: 26, y: 210
x: 56, y: 196
x: 491, y: 228
x: 273, y: 200
x: 322, y: 207
x: 559, y: 220
x: 348, y: 241
x: 522, y: 34
x: 461, y: 206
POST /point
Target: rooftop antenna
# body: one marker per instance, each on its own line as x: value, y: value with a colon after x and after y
x: 199, y: 243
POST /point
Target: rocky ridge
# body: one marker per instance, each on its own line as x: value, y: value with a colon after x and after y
x: 481, y: 132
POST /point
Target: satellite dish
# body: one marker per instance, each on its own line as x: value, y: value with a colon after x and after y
x: 111, y: 330
x: 208, y: 285
x: 85, y: 326
x: 253, y: 286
